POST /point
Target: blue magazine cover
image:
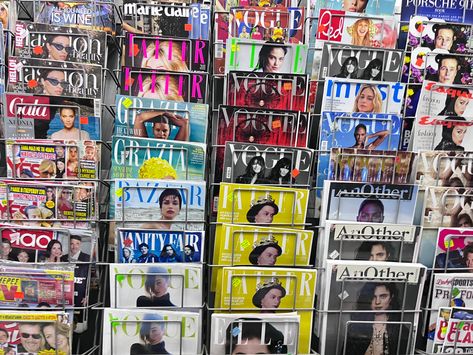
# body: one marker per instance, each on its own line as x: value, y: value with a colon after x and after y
x: 166, y: 246
x: 161, y: 119
x: 145, y: 158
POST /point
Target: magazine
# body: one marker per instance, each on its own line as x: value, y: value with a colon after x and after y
x: 154, y: 118
x: 384, y: 7
x: 262, y: 205
x: 230, y: 333
x: 169, y: 246
x: 368, y: 202
x: 134, y: 331
x: 43, y: 41
x: 459, y: 332
x: 439, y: 330
x: 247, y: 288
x: 97, y: 15
x: 266, y: 90
x: 453, y: 249
x: 343, y: 27
x: 174, y: 54
x: 447, y: 207
x: 158, y: 204
x: 251, y: 55
x: 346, y: 95
x: 370, y: 241
x: 144, y: 158
x: 177, y: 20
x: 444, y: 168
x: 156, y: 286
x: 164, y: 85
x: 366, y: 63
x: 266, y: 165
x: 52, y: 117
x: 225, y: 4
x: 54, y: 78
x: 30, y: 159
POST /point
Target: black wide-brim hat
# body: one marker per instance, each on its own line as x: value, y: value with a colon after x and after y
x: 259, y: 295
x: 256, y: 252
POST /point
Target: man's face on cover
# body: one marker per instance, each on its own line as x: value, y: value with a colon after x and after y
x: 469, y: 261
x: 378, y: 253
x: 381, y: 299
x: 6, y: 248
x: 144, y: 250
x: 444, y: 39
x: 75, y: 246
x: 67, y: 118
x: 370, y: 212
x: 448, y: 70
x: 30, y: 337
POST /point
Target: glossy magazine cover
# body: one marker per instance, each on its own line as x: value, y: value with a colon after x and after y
x: 449, y: 11
x: 40, y: 117
x: 173, y: 54
x: 453, y: 248
x: 43, y: 41
x: 168, y: 246
x: 384, y: 7
x: 144, y: 158
x: 163, y: 85
x: 161, y: 119
x: 459, y: 332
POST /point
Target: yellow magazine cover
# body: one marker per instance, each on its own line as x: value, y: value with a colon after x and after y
x: 262, y: 205
x: 270, y: 290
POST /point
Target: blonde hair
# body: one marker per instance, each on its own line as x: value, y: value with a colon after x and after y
x: 377, y: 102
x: 355, y: 38
x: 159, y: 90
x: 174, y: 64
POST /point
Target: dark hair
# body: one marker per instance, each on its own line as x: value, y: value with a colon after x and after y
x: 343, y: 70
x: 145, y: 327
x: 76, y: 237
x: 259, y: 294
x: 249, y: 170
x: 449, y: 109
x: 50, y: 246
x: 44, y: 304
x: 252, y: 329
x: 264, y: 53
x: 143, y: 245
x: 151, y: 277
x: 375, y: 63
x: 358, y: 126
x: 43, y: 74
x: 467, y: 250
x: 281, y: 163
x: 73, y: 109
x: 191, y: 247
x: 49, y: 40
x: 163, y: 250
x: 439, y: 58
x: 365, y: 296
x: 253, y: 211
x: 170, y: 192
x: 6, y: 240
x: 364, y: 251
x: 447, y: 131
x: 371, y: 200
x: 4, y: 330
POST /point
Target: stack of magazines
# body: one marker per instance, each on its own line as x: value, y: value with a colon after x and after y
x: 158, y: 192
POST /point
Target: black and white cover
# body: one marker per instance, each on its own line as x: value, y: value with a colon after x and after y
x: 267, y: 165
x: 365, y: 202
x: 377, y: 293
x: 70, y: 44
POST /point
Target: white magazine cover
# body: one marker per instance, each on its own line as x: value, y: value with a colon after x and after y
x: 459, y: 332
x: 133, y: 332
x: 156, y: 286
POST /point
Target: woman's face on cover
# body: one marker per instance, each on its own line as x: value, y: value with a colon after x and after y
x: 62, y: 342
x: 362, y: 28
x: 23, y: 257
x: 256, y: 166
x: 155, y: 333
x: 464, y: 222
x: 272, y: 299
x: 381, y: 299
x: 375, y: 71
x: 73, y: 153
x: 34, y: 213
x: 250, y: 346
x: 164, y: 89
x: 50, y: 335
x: 354, y: 5
x: 275, y: 60
x: 268, y: 256
x: 68, y: 117
x: 366, y: 100
x: 283, y: 171
x: 458, y: 134
x: 160, y: 286
x: 158, y: 60
x: 461, y: 103
x: 53, y: 83
x: 59, y: 47
x: 378, y: 253
x: 60, y: 166
x: 126, y: 253
x: 265, y: 215
x: 56, y: 250
x: 360, y: 136
x: 170, y: 207
x: 350, y: 66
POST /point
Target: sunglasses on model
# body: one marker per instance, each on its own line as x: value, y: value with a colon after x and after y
x: 55, y: 82
x: 61, y: 47
x: 28, y: 335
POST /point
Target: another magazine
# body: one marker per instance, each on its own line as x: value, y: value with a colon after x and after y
x: 454, y: 249
x: 459, y: 332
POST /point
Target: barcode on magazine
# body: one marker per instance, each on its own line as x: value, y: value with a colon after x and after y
x: 324, y: 72
x: 97, y: 108
x: 323, y: 145
x: 229, y: 173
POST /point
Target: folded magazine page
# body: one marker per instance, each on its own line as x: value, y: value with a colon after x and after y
x: 357, y: 289
x: 275, y: 333
x: 165, y: 285
x: 136, y: 245
x: 44, y: 41
x: 262, y: 205
x: 136, y: 332
x: 144, y: 158
x: 161, y: 119
x: 459, y: 332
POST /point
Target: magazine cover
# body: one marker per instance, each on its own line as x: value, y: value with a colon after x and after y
x: 358, y: 62
x: 459, y: 332
x: 232, y: 333
x: 384, y: 7
x: 266, y: 90
x: 68, y: 160
x: 170, y: 54
x: 454, y: 249
x: 54, y: 78
x: 352, y: 95
x: 447, y: 207
x: 360, y: 286
x: 36, y: 332
x: 165, y: 285
x: 52, y: 117
x: 168, y: 20
x: 70, y: 44
x: 442, y: 133
x: 168, y: 246
x: 154, y: 118
x: 444, y: 168
x: 436, y: 335
x: 164, y: 85
x: 250, y: 55
x: 227, y: 4
x: 159, y: 204
x: 358, y: 29
x: 262, y: 205
x: 144, y: 158
x: 368, y: 202
x: 97, y: 15
x: 134, y: 331
x: 266, y: 165
x: 254, y: 245
x: 271, y: 290
x: 370, y: 241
